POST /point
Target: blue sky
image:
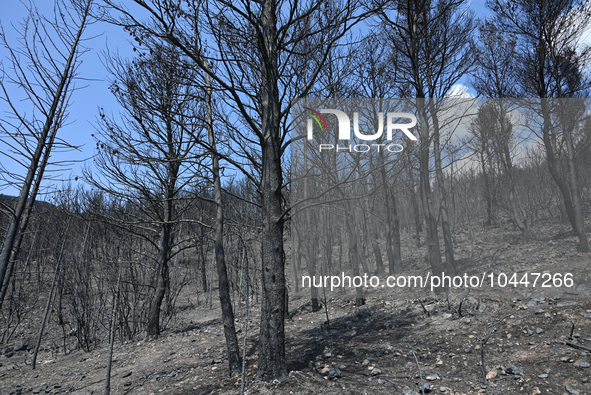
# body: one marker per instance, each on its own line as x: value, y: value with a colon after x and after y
x: 86, y: 102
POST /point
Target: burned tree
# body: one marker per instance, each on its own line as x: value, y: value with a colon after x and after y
x: 44, y: 70
x: 551, y: 65
x: 150, y: 156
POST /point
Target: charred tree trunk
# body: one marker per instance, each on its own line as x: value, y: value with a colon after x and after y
x: 50, y: 300
x: 354, y: 258
x: 414, y: 200
x: 377, y: 252
x: 165, y: 242
x: 271, y: 364
x: 572, y: 202
x: 488, y: 195
x: 393, y: 223
x: 40, y: 156
x: 503, y: 153
x: 112, y: 330
x: 450, y: 263
x: 162, y: 280
x: 396, y: 243
x: 311, y: 250
x: 578, y: 222
x: 311, y: 247
x: 234, y: 364
x: 434, y: 253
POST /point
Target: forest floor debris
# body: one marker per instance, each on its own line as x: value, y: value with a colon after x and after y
x: 533, y: 347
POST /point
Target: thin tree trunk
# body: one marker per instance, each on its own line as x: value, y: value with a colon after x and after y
x: 46, y: 315
x: 573, y: 205
x: 445, y: 227
x: 578, y: 222
x: 312, y: 245
x: 241, y: 275
x: 296, y: 259
x: 164, y: 245
x: 519, y: 218
x: 245, y: 326
x: 574, y: 216
x: 312, y: 248
x: 354, y: 259
x: 218, y: 240
x: 39, y: 158
x: 488, y: 182
x: 203, y: 267
x: 209, y: 298
x: 396, y: 243
x: 426, y: 195
x: 112, y: 334
x: 12, y: 263
x: 153, y: 330
x: 415, y: 204
x: 47, y: 312
x: 392, y: 223
x: 377, y: 252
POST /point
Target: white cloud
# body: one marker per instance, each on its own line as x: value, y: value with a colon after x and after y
x: 460, y: 90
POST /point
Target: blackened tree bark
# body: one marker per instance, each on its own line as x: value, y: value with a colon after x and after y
x: 430, y: 40
x: 450, y: 261
x: 234, y: 363
x: 58, y: 71
x: 149, y: 159
x: 483, y: 130
x: 162, y: 275
x: 552, y: 70
x: 375, y: 78
x: 429, y: 212
x: 393, y: 249
x: 272, y: 332
x: 495, y: 77
x: 354, y: 255
x: 568, y: 186
x: 576, y: 218
x: 414, y: 200
x: 311, y: 248
x: 261, y: 64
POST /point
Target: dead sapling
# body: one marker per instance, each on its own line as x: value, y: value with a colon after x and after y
x: 327, y: 323
x: 419, y: 299
x: 573, y: 344
x: 245, y: 328
x: 420, y: 372
x: 483, y: 341
x: 576, y: 345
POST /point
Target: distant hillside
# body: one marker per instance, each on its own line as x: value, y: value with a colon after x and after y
x: 11, y: 201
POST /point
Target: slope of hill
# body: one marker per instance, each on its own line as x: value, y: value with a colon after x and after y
x: 533, y: 340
